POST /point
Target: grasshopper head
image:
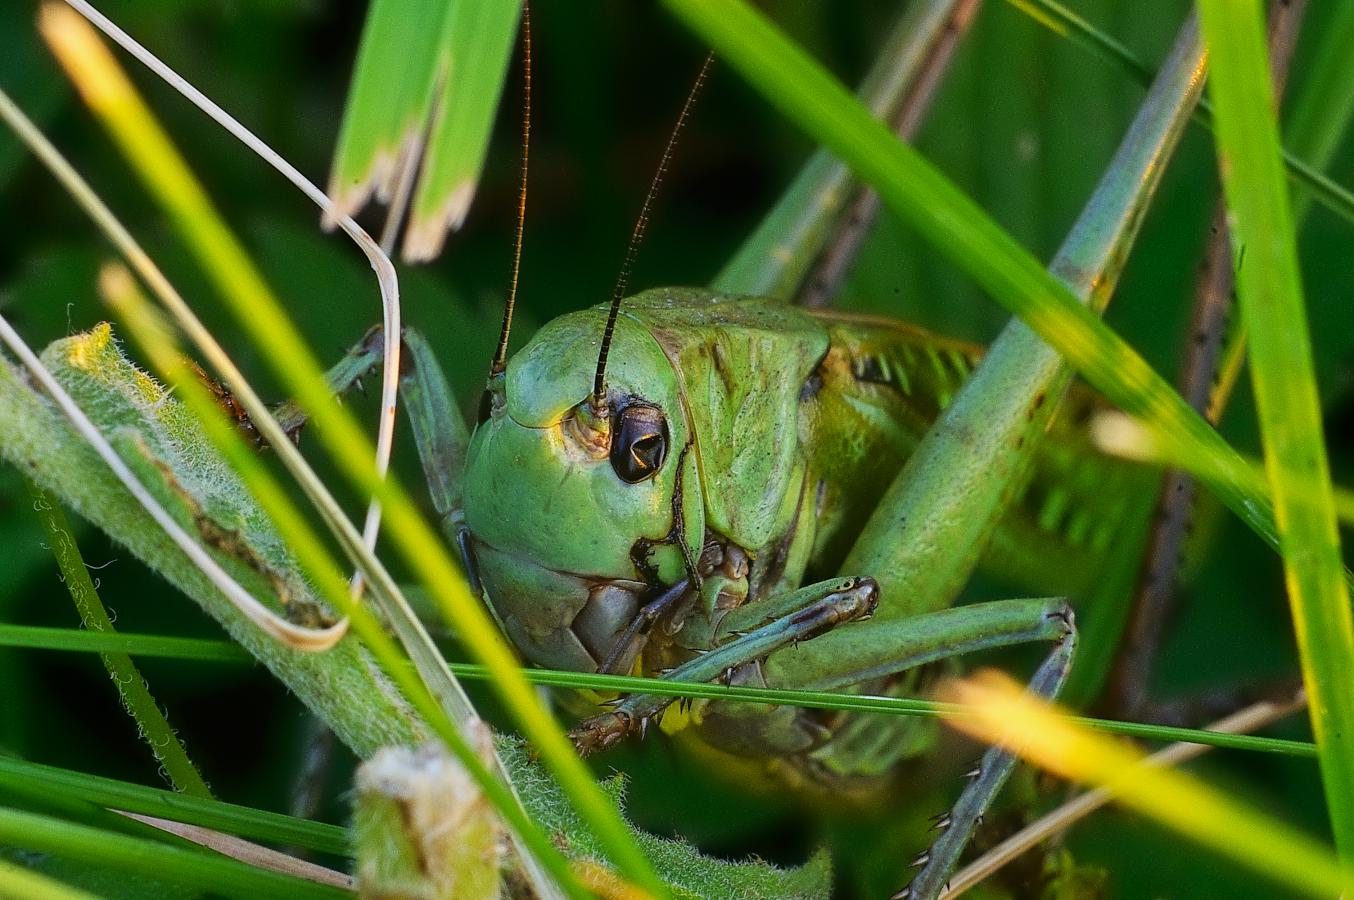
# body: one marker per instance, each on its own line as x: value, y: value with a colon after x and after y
x: 560, y: 500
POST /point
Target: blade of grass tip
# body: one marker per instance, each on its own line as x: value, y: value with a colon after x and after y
x: 921, y: 196
x: 476, y: 45
x: 1253, y: 717
x: 1007, y: 715
x: 389, y: 102
x: 386, y: 278
x: 263, y: 617
x: 430, y: 665
x: 1270, y: 291
x: 257, y: 824
x: 22, y: 882
x: 35, y: 637
x: 151, y: 723
x: 137, y: 856
x: 1064, y: 23
x: 226, y: 262
x: 121, y: 291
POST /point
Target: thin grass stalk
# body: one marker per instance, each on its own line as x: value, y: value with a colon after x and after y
x: 225, y: 261
x: 150, y: 720
x: 120, y: 852
x: 1270, y: 290
x: 37, y: 637
x: 66, y: 640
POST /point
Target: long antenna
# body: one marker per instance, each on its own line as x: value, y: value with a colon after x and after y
x: 501, y: 354
x: 636, y: 236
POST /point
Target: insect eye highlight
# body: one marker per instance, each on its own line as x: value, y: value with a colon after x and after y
x: 640, y: 443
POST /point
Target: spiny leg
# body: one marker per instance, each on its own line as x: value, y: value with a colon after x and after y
x: 886, y: 647
x: 987, y: 779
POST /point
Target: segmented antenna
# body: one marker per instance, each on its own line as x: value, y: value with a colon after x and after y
x: 501, y: 354
x: 636, y: 236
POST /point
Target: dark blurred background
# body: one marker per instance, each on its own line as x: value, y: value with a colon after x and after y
x: 1025, y: 122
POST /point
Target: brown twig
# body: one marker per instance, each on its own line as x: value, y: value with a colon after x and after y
x: 839, y: 256
x: 1127, y: 691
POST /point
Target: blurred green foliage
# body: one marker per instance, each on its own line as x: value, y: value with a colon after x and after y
x: 1025, y: 122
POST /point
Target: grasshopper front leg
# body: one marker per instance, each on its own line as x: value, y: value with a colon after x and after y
x: 820, y: 608
x: 440, y: 432
x: 859, y: 653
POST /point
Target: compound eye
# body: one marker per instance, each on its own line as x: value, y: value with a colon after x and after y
x: 639, y: 444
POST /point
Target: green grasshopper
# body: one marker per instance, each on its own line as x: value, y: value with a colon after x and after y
x: 686, y: 484
x: 673, y: 486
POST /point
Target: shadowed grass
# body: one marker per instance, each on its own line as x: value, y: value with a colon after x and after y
x: 199, y: 869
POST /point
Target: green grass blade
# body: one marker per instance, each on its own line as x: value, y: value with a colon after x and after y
x: 1303, y: 169
x: 20, y: 882
x: 255, y: 824
x: 194, y: 868
x: 151, y: 723
x: 1270, y: 289
x: 147, y: 645
x: 776, y: 257
x: 421, y: 106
